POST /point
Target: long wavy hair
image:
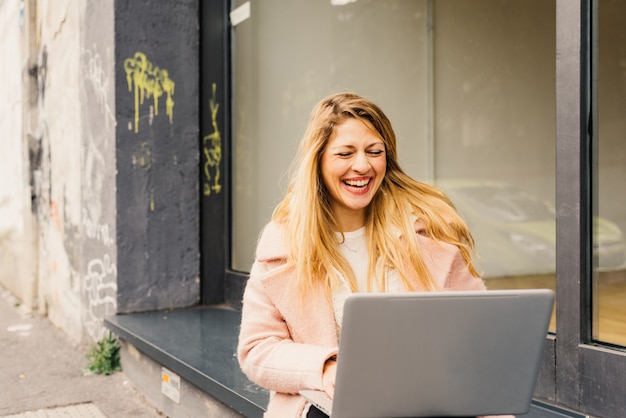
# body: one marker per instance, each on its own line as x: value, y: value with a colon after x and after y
x: 311, y: 227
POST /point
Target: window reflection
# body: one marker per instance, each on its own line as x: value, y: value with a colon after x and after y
x: 494, y: 123
x: 515, y: 231
x: 609, y: 290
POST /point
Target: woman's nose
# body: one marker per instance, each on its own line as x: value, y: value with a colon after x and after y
x: 360, y: 164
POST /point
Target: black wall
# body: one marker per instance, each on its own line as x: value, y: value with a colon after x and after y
x: 157, y: 154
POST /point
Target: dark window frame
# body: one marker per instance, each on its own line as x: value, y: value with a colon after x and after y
x: 215, y: 206
x: 589, y: 375
x: 219, y: 283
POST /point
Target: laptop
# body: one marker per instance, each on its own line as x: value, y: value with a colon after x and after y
x: 434, y: 354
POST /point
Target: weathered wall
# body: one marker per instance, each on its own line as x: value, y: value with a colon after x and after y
x: 99, y: 199
x: 157, y: 88
x: 17, y: 244
x: 98, y: 211
x: 58, y: 187
x: 10, y: 122
x: 75, y: 165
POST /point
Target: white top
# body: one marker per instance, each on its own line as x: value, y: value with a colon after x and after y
x: 354, y: 249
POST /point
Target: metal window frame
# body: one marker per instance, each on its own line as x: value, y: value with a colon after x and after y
x: 219, y: 283
x: 589, y: 376
x: 215, y: 208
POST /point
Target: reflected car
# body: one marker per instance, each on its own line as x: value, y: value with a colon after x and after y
x: 515, y: 232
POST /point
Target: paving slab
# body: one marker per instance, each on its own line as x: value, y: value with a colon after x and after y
x: 42, y: 373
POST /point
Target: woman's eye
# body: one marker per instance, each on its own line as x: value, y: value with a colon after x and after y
x: 376, y: 152
x: 344, y: 154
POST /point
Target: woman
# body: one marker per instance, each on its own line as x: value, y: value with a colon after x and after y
x: 351, y: 221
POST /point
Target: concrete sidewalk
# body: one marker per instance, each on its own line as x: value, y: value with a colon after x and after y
x: 41, y: 373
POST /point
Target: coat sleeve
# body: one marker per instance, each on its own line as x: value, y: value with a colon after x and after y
x: 267, y: 353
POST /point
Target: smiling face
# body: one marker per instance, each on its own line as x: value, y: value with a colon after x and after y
x: 353, y: 166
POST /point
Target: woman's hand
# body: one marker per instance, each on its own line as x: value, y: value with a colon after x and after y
x: 328, y: 377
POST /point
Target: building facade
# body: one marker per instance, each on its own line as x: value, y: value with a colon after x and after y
x: 146, y: 144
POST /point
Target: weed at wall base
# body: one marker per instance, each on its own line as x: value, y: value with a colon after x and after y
x: 104, y: 357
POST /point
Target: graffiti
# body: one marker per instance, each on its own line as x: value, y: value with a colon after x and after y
x: 99, y: 81
x: 101, y: 289
x: 146, y: 156
x: 97, y: 231
x: 147, y: 80
x: 96, y: 176
x: 212, y: 148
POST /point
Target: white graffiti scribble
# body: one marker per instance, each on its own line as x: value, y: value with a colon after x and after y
x: 100, y: 288
x: 99, y: 80
x: 97, y: 231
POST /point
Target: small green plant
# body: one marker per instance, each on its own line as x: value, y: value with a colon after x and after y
x: 104, y: 356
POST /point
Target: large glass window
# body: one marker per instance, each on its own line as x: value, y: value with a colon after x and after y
x: 469, y: 87
x: 288, y: 55
x: 609, y: 248
x: 494, y: 112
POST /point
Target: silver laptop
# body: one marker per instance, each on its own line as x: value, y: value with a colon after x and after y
x: 454, y: 353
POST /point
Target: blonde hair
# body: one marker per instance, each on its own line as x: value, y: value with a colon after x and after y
x: 311, y: 227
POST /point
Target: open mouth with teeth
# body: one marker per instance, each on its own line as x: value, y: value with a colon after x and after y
x: 360, y: 185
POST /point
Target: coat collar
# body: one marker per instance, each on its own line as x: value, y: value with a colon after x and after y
x: 273, y: 243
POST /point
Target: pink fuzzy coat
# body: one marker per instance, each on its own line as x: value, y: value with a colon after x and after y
x: 284, y: 343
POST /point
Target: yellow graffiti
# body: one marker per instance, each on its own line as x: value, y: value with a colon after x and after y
x: 145, y: 160
x: 147, y: 80
x: 212, y: 146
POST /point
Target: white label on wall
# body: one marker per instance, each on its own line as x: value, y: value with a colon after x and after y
x: 170, y: 385
x: 240, y: 14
